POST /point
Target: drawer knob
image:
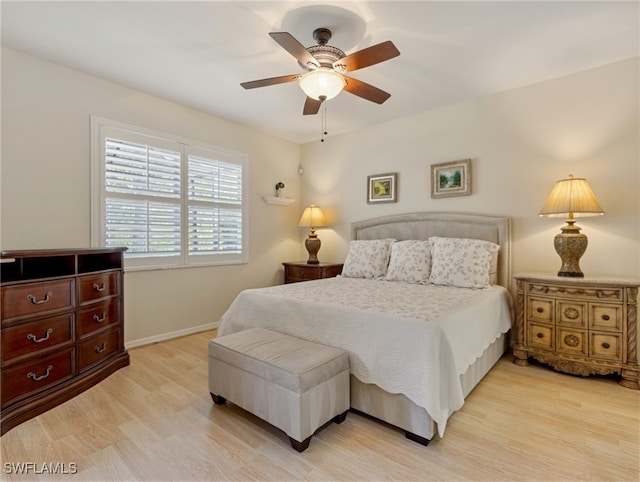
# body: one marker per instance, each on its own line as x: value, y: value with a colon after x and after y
x: 605, y: 317
x: 101, y: 348
x: 98, y: 287
x: 539, y: 335
x: 36, y: 301
x: 572, y: 340
x: 606, y: 345
x: 35, y: 339
x: 540, y: 310
x: 101, y: 318
x: 36, y: 378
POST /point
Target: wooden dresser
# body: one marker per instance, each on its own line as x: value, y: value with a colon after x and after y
x: 62, y: 327
x: 582, y: 326
x: 301, y: 271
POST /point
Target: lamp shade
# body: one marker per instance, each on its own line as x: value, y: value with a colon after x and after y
x: 572, y: 196
x: 312, y: 217
x: 322, y: 82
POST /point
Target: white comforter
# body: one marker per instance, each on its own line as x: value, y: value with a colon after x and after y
x: 405, y: 338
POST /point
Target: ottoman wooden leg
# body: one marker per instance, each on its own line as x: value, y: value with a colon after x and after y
x: 218, y: 400
x: 300, y: 446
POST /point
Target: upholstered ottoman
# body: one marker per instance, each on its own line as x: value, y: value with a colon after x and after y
x: 295, y: 385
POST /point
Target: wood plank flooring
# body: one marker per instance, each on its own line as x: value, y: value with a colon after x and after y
x: 155, y: 421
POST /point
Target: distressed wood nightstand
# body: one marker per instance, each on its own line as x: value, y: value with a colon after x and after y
x: 301, y: 271
x: 583, y: 326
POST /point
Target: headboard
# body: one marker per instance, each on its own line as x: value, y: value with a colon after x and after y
x: 422, y: 225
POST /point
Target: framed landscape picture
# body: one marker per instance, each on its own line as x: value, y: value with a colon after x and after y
x: 451, y: 179
x: 381, y: 188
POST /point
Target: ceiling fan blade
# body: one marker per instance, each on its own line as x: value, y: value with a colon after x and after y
x: 295, y: 48
x: 311, y: 106
x: 271, y: 81
x: 369, y: 56
x: 366, y: 91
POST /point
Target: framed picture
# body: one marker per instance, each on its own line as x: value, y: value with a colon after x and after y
x: 451, y: 179
x: 382, y: 188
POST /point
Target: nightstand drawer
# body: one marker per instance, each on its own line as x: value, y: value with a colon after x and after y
x: 300, y: 273
x: 606, y: 346
x: 540, y: 309
x: 572, y: 313
x: 540, y: 336
x: 606, y: 317
x: 296, y: 272
x: 572, y: 341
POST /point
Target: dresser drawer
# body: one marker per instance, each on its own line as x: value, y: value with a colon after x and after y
x: 541, y: 336
x: 98, y: 316
x: 36, y: 298
x: 607, y: 346
x: 540, y: 309
x: 571, y: 313
x: 95, y: 349
x: 34, y: 336
x: 98, y: 286
x: 572, y: 341
x: 36, y: 375
x: 606, y: 317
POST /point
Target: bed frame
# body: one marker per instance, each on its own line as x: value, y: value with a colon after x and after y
x: 397, y: 409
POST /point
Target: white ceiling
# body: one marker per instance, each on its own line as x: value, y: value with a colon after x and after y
x: 197, y: 53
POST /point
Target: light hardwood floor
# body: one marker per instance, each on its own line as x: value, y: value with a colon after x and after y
x: 155, y: 420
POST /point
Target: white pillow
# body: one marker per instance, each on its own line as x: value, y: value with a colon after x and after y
x: 410, y: 261
x: 367, y: 258
x: 465, y: 263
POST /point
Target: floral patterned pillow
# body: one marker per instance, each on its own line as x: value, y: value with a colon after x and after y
x: 410, y: 261
x: 367, y: 258
x: 465, y: 263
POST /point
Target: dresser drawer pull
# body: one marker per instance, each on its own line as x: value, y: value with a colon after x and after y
x: 539, y: 335
x: 35, y: 339
x: 35, y: 301
x: 98, y: 287
x: 540, y: 310
x: 101, y: 348
x: 35, y: 378
x: 605, y: 317
x: 101, y: 318
x: 606, y: 346
x: 572, y: 340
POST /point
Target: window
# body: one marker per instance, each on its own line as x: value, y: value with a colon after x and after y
x: 171, y: 201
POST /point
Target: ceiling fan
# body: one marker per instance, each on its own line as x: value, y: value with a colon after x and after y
x: 325, y: 66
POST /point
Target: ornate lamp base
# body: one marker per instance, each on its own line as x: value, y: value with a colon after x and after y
x: 312, y: 243
x: 570, y: 244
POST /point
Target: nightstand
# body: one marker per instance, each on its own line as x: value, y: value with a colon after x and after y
x: 301, y: 271
x: 583, y: 326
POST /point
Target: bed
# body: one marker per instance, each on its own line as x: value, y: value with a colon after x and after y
x: 418, y: 342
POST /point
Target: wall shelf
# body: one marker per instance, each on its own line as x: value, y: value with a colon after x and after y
x: 282, y: 201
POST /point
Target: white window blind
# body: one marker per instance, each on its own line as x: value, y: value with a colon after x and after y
x: 171, y: 202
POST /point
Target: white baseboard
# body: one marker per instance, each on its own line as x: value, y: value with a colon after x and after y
x: 168, y: 336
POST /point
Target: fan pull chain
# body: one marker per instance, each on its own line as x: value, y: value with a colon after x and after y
x: 324, y: 121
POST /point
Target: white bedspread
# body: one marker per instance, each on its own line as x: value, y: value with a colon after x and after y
x: 405, y: 338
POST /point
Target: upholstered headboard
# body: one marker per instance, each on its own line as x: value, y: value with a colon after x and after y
x: 422, y: 225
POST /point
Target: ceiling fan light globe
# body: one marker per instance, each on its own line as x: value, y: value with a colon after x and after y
x: 322, y: 82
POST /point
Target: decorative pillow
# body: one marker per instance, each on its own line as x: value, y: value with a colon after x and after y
x: 410, y: 261
x: 367, y: 258
x: 465, y: 263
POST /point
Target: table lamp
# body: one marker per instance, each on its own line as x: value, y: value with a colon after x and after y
x: 573, y: 197
x: 313, y: 218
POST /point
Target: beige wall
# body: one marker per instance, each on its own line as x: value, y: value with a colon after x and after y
x: 45, y: 198
x: 520, y: 143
